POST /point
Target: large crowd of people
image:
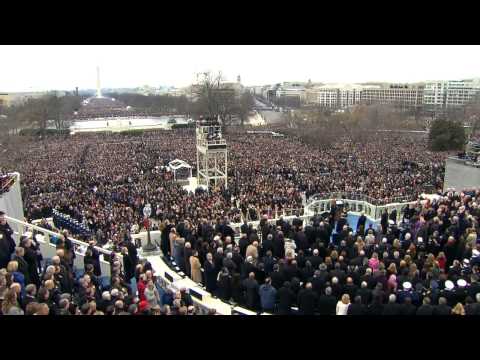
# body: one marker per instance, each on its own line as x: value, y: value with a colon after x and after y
x: 104, y: 181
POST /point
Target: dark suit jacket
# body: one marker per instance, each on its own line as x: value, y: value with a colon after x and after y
x: 307, y: 301
x: 357, y: 309
x: 327, y: 305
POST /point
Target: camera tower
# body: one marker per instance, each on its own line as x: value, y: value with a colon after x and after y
x: 211, y: 153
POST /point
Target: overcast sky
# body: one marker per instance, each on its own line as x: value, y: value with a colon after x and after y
x: 34, y: 68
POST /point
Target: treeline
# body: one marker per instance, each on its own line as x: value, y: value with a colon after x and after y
x: 37, y: 112
x: 155, y: 103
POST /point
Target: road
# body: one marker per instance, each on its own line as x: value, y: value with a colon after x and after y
x: 271, y: 117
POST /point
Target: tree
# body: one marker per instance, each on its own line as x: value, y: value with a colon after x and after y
x: 213, y: 97
x: 245, y: 106
x: 446, y: 135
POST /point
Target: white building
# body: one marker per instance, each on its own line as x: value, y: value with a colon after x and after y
x: 450, y: 93
x: 335, y: 95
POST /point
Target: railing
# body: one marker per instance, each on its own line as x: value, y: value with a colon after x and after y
x: 48, y: 249
x: 341, y: 195
x: 374, y: 212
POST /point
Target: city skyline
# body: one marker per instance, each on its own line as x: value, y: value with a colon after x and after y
x: 43, y: 68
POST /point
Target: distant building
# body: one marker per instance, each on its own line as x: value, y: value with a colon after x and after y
x: 400, y: 95
x: 450, y: 94
x: 334, y: 95
x: 16, y: 98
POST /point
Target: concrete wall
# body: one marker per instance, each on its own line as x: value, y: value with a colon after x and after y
x: 460, y: 176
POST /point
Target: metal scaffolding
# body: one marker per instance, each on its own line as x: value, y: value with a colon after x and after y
x: 212, y: 154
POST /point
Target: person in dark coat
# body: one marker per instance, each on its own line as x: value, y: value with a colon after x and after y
x: 237, y: 289
x: 243, y: 244
x: 362, y: 221
x: 279, y: 246
x: 376, y: 307
x: 307, y: 300
x: 7, y: 244
x: 391, y: 308
x: 31, y: 259
x: 442, y: 308
x: 187, y: 252
x: 285, y: 299
x: 327, y: 304
x: 128, y: 265
x: 210, y: 274
x: 357, y: 308
x: 425, y: 308
x: 251, y: 292
x: 407, y: 308
x: 384, y: 222
x: 267, y: 245
x: 95, y: 258
x: 22, y: 264
x: 277, y: 277
x: 224, y: 289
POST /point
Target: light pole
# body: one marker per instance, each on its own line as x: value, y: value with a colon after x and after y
x: 147, y: 211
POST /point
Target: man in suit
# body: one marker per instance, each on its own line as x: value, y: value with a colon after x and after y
x: 315, y: 259
x: 327, y: 303
x: 365, y: 293
x: 301, y: 240
x: 267, y: 245
x: 277, y: 277
x: 7, y: 244
x: 384, y: 222
x: 307, y: 300
x: 425, y: 308
x: 357, y: 308
x: 407, y: 308
x: 22, y: 264
x: 285, y: 298
x: 243, y: 244
x: 442, y: 308
x: 251, y: 292
x: 391, y: 308
x: 362, y: 220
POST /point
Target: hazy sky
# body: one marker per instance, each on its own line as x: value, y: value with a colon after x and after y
x: 33, y: 68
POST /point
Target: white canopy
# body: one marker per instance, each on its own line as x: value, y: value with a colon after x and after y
x: 177, y: 164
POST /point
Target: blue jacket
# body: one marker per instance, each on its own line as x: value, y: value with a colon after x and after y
x: 267, y: 295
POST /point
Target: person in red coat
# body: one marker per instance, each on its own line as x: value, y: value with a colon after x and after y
x: 141, y: 286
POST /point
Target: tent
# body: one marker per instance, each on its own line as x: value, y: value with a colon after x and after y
x: 176, y: 165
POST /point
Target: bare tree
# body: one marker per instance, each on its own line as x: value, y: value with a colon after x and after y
x: 214, y: 98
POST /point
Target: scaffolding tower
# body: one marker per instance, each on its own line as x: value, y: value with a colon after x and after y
x: 211, y: 154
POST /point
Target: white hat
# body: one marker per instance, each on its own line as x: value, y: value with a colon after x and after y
x: 449, y: 285
x: 407, y: 285
x: 475, y: 253
x: 384, y: 240
x: 461, y: 283
x: 420, y: 239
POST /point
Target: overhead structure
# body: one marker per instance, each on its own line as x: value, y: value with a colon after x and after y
x: 212, y: 162
x: 176, y: 165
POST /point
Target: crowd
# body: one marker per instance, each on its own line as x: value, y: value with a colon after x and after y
x: 428, y: 264
x: 105, y: 180
x: 30, y: 285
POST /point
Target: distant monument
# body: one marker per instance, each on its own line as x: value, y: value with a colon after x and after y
x: 99, y: 89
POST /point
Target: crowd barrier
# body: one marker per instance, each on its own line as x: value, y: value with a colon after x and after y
x: 48, y: 249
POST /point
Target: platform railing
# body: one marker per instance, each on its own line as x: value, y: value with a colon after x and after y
x: 48, y: 249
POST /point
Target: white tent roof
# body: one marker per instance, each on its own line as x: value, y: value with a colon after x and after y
x: 178, y: 164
